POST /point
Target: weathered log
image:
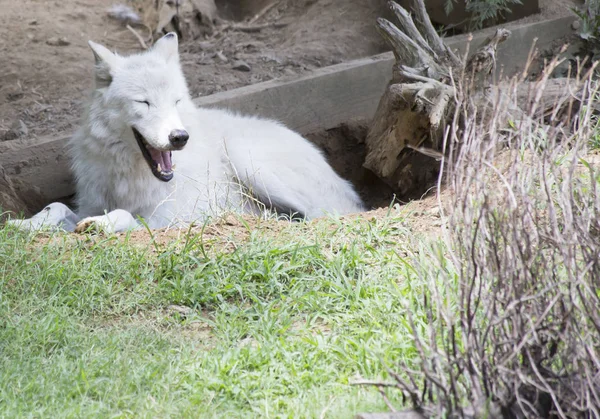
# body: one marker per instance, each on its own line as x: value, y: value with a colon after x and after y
x: 429, y: 81
x: 419, y: 99
x: 191, y: 19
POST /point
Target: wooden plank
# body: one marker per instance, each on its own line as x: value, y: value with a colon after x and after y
x: 321, y: 100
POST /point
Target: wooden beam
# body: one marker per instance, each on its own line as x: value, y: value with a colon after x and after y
x: 320, y: 100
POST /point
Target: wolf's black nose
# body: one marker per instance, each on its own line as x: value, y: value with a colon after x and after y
x: 178, y: 138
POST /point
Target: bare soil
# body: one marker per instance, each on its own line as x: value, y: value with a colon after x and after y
x: 46, y: 69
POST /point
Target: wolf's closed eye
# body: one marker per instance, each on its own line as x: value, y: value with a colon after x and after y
x: 143, y: 101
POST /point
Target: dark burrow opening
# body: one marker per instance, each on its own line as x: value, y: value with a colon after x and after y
x: 239, y: 10
x: 345, y: 149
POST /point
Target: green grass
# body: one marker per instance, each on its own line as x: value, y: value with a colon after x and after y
x: 280, y: 322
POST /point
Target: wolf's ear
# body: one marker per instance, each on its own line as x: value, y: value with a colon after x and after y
x: 106, y: 62
x: 167, y: 46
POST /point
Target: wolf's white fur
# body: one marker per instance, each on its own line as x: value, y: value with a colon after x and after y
x: 226, y: 157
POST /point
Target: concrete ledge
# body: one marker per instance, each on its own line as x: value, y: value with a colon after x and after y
x: 318, y: 101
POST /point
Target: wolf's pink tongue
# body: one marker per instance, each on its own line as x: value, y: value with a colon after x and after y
x: 163, y: 158
x: 166, y: 156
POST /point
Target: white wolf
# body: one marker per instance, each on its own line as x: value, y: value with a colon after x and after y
x: 145, y: 150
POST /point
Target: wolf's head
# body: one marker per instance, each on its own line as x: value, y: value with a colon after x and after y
x: 141, y: 96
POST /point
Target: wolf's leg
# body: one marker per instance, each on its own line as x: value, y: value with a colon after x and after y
x: 113, y: 222
x: 53, y: 216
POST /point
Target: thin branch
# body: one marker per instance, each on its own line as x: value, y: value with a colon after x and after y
x: 372, y: 383
x: 263, y: 12
x: 137, y: 36
x: 258, y: 28
x: 385, y: 399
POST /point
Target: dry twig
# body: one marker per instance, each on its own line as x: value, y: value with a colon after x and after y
x: 263, y: 12
x: 137, y: 36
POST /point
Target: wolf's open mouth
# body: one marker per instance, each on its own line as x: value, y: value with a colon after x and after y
x: 159, y: 161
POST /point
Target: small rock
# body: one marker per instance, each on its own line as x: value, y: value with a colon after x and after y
x: 124, y: 13
x: 21, y: 128
x: 435, y: 212
x: 204, y: 59
x: 294, y: 63
x: 249, y: 46
x: 18, y: 129
x: 563, y: 69
x: 181, y: 310
x: 33, y: 22
x: 8, y: 135
x: 252, y: 343
x: 57, y: 42
x: 290, y: 72
x: 14, y: 96
x: 271, y: 57
x: 221, y: 57
x: 205, y: 45
x: 576, y: 25
x: 241, y: 66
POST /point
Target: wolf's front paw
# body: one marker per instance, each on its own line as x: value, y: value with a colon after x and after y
x: 54, y: 216
x: 94, y: 224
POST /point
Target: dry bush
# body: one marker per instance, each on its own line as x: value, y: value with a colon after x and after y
x: 521, y: 338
